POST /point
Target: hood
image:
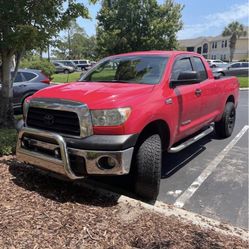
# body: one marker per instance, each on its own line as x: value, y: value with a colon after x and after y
x: 97, y: 95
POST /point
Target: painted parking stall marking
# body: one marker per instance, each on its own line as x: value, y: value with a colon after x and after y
x: 188, y: 193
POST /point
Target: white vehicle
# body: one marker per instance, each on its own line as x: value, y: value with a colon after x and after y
x: 82, y: 64
x: 216, y: 63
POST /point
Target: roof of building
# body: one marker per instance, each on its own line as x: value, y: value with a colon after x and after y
x: 193, y: 42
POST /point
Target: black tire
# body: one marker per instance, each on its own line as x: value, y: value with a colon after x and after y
x: 148, y: 162
x: 66, y: 71
x: 224, y: 127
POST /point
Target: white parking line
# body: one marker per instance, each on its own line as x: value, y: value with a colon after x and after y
x: 186, y: 195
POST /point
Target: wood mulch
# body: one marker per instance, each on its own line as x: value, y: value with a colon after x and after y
x: 38, y: 211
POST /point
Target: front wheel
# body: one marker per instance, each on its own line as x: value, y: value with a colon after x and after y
x: 224, y: 127
x: 148, y: 163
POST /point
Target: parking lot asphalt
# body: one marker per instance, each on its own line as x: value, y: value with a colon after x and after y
x: 211, y: 176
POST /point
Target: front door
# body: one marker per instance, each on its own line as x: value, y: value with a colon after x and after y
x: 188, y: 98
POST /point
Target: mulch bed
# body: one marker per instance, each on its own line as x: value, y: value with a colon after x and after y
x: 38, y: 211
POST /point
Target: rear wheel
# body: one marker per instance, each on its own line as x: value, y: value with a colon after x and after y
x: 147, y: 162
x: 66, y: 71
x: 224, y: 127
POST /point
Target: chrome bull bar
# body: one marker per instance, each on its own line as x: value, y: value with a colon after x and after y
x: 62, y: 165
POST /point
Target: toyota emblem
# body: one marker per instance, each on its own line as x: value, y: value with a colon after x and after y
x: 48, y: 119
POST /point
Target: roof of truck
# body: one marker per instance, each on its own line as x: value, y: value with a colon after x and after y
x: 156, y: 52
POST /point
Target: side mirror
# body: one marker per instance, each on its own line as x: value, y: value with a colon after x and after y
x: 186, y: 78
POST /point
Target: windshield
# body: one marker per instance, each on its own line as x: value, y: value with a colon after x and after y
x: 128, y: 69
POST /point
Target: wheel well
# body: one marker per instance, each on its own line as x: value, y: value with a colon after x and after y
x: 157, y: 127
x: 230, y: 99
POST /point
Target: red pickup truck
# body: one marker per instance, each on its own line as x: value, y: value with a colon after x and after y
x: 120, y: 116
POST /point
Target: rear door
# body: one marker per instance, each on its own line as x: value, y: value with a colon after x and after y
x: 234, y: 69
x: 209, y: 92
x: 188, y: 98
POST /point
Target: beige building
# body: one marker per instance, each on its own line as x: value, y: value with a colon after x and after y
x: 216, y: 47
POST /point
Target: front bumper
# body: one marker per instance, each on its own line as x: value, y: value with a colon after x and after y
x: 74, y: 158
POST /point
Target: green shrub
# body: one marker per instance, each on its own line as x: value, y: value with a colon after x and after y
x: 41, y: 64
x: 8, y: 138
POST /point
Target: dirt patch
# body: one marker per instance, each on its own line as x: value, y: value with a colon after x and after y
x: 38, y: 211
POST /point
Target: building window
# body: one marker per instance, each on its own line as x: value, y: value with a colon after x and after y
x: 205, y: 48
x: 224, y: 57
x: 225, y: 43
x: 199, y: 50
x: 221, y: 57
x: 222, y: 44
x: 215, y: 45
x: 212, y: 44
x: 190, y: 49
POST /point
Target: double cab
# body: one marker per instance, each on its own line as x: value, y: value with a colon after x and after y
x: 123, y: 113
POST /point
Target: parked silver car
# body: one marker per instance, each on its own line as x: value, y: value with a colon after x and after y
x: 61, y: 68
x: 233, y: 69
x: 26, y: 83
x: 216, y: 63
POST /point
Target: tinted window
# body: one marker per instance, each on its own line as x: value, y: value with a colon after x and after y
x: 29, y: 76
x: 181, y: 66
x: 245, y: 64
x: 18, y: 77
x: 76, y: 62
x: 200, y: 68
x: 236, y: 65
x: 56, y: 64
x: 129, y: 69
x: 82, y: 62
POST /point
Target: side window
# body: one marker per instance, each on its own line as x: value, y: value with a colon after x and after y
x: 56, y: 64
x: 236, y: 65
x: 18, y: 77
x: 200, y: 68
x: 29, y: 76
x: 245, y: 64
x: 181, y: 66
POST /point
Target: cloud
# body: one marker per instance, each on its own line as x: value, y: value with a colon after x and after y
x: 216, y: 20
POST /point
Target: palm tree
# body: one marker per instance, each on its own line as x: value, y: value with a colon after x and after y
x: 235, y: 30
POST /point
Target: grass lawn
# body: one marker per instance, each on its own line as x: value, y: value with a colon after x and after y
x: 244, y: 82
x: 7, y: 141
x: 64, y: 78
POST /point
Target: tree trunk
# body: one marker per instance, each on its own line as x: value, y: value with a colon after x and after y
x: 6, y: 93
x: 232, y: 46
x: 18, y: 59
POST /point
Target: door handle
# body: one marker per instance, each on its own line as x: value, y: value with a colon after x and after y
x: 22, y: 85
x: 198, y: 92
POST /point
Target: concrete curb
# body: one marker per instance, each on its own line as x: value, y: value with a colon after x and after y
x: 169, y: 210
x: 244, y: 89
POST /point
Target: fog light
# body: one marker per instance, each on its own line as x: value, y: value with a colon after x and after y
x: 106, y: 162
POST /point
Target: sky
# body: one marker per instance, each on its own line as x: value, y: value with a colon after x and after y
x: 200, y: 17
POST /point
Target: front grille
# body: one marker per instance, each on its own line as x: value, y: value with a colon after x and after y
x: 63, y: 122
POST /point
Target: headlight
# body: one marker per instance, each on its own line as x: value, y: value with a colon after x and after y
x: 25, y: 108
x: 110, y: 117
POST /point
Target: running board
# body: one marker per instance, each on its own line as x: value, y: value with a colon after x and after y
x: 191, y: 140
